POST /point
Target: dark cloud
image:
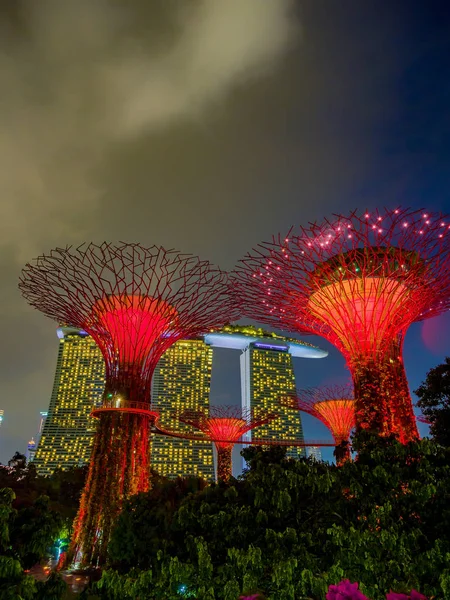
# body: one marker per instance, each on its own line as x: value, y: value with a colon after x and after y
x: 82, y: 79
x: 203, y: 125
x: 84, y: 86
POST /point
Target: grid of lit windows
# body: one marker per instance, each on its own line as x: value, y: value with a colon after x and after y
x: 266, y: 377
x: 182, y: 381
x: 68, y: 429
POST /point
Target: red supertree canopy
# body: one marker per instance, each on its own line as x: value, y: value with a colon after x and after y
x: 224, y: 425
x: 333, y: 405
x: 133, y: 324
x: 135, y: 302
x: 359, y: 281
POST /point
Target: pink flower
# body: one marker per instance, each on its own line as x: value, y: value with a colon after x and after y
x: 415, y: 595
x: 345, y: 591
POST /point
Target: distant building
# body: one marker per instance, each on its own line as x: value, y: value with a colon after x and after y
x: 31, y: 450
x: 68, y: 428
x: 314, y: 452
x: 182, y: 381
x: 32, y: 444
x: 43, y: 418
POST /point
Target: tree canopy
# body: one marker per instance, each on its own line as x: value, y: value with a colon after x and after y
x: 434, y: 401
x: 290, y: 528
x: 14, y: 583
x: 34, y: 512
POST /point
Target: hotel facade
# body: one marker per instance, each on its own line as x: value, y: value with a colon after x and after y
x: 182, y: 380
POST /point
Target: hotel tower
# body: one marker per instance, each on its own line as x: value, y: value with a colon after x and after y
x: 267, y: 376
x: 182, y: 381
x: 68, y: 428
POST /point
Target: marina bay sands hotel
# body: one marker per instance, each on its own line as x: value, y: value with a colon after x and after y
x: 182, y: 380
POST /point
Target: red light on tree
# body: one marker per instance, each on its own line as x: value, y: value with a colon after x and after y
x: 423, y: 419
x: 135, y: 302
x: 335, y: 407
x: 131, y: 324
x: 358, y: 281
x: 224, y: 426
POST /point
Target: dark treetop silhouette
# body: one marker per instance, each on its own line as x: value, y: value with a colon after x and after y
x: 359, y: 281
x: 135, y: 302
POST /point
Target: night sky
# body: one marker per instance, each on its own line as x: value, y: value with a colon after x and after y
x: 208, y: 126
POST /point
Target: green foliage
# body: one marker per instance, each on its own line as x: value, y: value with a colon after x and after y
x: 288, y: 529
x: 34, y: 511
x: 45, y: 507
x: 6, y: 498
x: 33, y: 531
x: 63, y: 488
x: 14, y: 585
x: 434, y: 401
x: 146, y: 525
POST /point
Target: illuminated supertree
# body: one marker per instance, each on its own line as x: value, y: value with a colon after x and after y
x: 224, y: 425
x: 335, y: 407
x: 359, y: 281
x: 135, y: 302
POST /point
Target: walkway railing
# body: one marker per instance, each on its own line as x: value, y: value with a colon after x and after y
x: 127, y: 406
x: 253, y: 442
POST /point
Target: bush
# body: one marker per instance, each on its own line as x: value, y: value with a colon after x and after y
x: 290, y: 528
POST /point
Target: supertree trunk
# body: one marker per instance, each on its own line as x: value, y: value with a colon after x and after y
x: 119, y: 468
x: 342, y: 452
x: 224, y: 464
x: 382, y: 399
